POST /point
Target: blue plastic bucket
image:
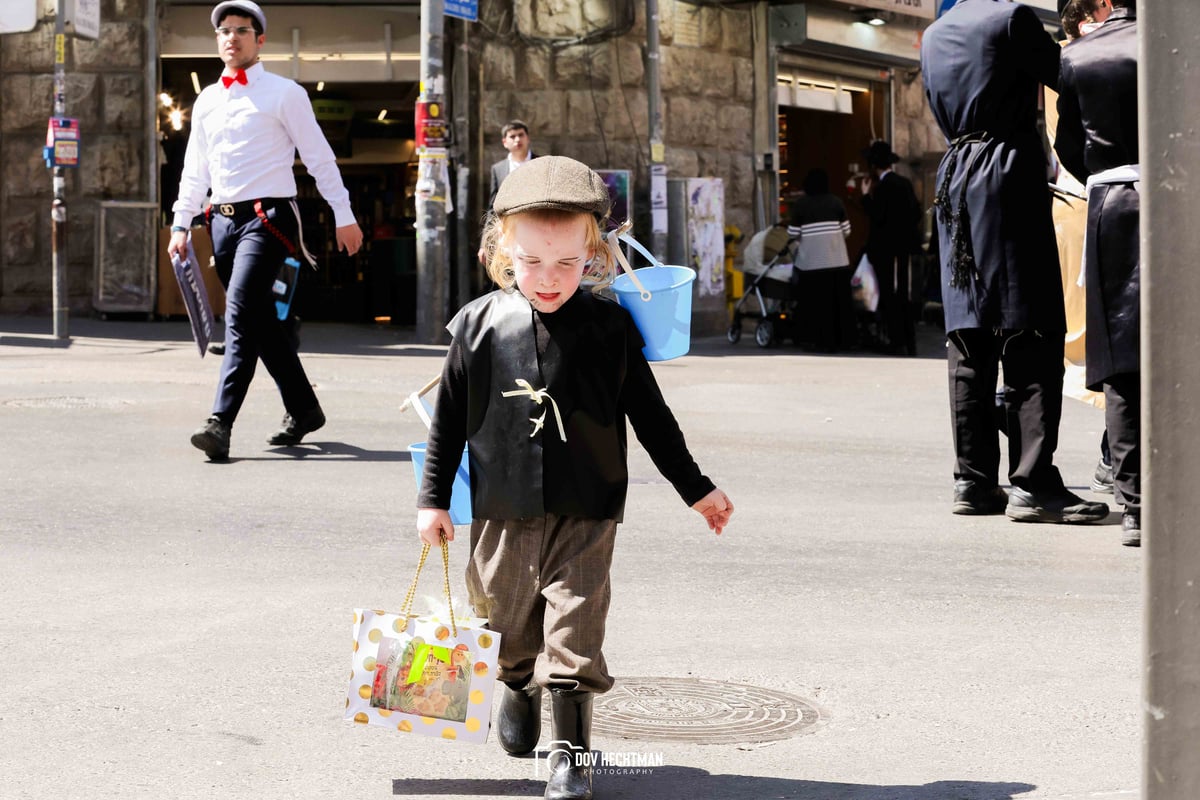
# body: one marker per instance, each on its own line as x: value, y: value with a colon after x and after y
x: 665, y: 320
x: 460, y: 497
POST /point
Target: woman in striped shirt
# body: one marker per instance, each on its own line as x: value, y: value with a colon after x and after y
x: 822, y: 265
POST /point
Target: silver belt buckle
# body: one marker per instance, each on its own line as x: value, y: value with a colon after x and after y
x: 226, y: 209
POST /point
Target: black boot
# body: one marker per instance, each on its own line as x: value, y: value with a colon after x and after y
x: 520, y: 722
x: 571, y: 750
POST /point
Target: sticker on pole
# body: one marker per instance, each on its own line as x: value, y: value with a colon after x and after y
x: 62, y: 142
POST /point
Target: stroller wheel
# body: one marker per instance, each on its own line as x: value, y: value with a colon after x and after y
x: 764, y: 333
x: 734, y: 334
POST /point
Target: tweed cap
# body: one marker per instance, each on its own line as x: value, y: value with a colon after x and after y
x: 552, y: 182
x: 243, y: 8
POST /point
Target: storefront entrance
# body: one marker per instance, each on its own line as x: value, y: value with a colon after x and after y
x: 825, y: 120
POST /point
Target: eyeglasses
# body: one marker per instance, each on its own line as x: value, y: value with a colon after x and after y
x: 241, y: 31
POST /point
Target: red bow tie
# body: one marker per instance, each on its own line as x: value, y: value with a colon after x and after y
x: 237, y: 77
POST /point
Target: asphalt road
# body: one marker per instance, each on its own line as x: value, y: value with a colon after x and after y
x: 174, y: 628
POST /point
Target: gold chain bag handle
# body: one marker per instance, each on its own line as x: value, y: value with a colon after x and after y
x: 406, y: 609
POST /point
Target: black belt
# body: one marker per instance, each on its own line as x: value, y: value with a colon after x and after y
x: 955, y: 216
x: 245, y: 208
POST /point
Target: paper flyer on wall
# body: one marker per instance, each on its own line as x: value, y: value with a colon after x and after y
x: 195, y: 296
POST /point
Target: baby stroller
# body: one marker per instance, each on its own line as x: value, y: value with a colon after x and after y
x: 768, y: 259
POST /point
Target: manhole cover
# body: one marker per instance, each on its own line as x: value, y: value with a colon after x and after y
x: 701, y: 711
x: 65, y: 402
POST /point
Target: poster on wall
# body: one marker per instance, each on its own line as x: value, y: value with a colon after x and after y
x: 618, y: 183
x: 706, y: 233
x: 658, y: 198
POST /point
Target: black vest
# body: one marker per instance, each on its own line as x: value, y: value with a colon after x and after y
x: 582, y: 368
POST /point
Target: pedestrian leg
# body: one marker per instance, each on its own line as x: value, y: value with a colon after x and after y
x: 1033, y: 376
x: 972, y: 364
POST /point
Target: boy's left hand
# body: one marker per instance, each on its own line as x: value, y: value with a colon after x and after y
x: 716, y: 509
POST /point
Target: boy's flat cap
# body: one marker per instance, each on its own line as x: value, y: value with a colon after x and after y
x: 552, y: 182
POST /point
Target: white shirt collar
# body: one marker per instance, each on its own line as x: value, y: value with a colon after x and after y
x: 253, y: 73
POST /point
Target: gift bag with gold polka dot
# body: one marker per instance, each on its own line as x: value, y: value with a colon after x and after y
x: 426, y: 675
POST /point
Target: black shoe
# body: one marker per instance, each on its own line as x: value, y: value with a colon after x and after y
x: 1061, y: 506
x: 1131, y: 528
x: 294, y: 430
x: 519, y: 725
x: 217, y: 348
x: 213, y: 438
x: 972, y: 497
x: 570, y: 752
x: 1102, y: 479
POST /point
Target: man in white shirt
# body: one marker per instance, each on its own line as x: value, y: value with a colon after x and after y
x: 246, y: 129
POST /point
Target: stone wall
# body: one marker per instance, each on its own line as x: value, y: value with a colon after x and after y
x: 589, y: 101
x: 105, y: 85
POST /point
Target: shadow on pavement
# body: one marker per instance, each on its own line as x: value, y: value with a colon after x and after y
x: 688, y: 783
x: 325, y: 338
x: 931, y: 344
x: 324, y: 451
x: 48, y: 340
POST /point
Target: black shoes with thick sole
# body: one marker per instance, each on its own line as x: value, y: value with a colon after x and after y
x: 213, y: 438
x: 1057, y: 507
x: 973, y: 497
x: 294, y: 429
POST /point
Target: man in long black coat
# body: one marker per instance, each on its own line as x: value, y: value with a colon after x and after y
x: 1097, y: 142
x: 982, y: 62
x: 894, y: 214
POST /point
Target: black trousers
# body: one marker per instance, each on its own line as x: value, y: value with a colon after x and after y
x: 1122, y: 415
x: 248, y: 258
x: 827, y: 306
x: 895, y: 305
x: 1033, y: 377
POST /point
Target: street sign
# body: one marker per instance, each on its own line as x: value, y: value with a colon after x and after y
x: 82, y: 17
x: 462, y: 9
x: 18, y: 16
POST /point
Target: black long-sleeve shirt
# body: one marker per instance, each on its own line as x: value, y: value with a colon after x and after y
x: 560, y: 347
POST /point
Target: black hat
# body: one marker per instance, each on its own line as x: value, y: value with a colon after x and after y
x: 880, y: 154
x: 1062, y: 6
x: 554, y: 182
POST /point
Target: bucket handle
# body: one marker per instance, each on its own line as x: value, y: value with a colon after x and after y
x: 414, y: 402
x: 625, y: 237
x: 612, y: 239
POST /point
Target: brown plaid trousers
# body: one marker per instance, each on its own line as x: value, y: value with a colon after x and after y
x: 543, y: 583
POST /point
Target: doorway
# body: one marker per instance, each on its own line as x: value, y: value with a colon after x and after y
x: 826, y: 121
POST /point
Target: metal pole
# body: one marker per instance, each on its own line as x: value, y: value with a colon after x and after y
x: 152, y: 165
x: 766, y: 123
x: 658, y: 165
x: 1169, y: 93
x: 58, y: 207
x: 432, y: 267
x: 460, y: 97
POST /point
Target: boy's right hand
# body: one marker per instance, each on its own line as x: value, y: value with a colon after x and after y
x: 716, y: 508
x: 433, y: 524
